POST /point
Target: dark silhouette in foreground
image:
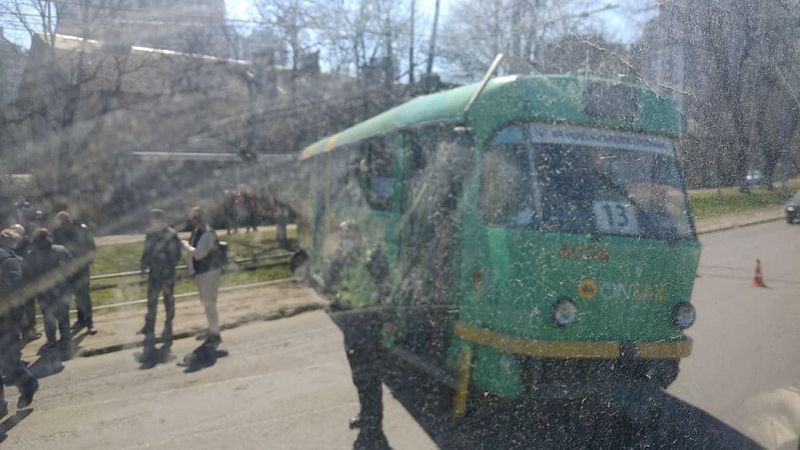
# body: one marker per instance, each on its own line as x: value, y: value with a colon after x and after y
x: 629, y: 416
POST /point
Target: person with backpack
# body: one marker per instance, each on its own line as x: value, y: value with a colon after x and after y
x: 12, y: 369
x: 205, y: 260
x: 162, y: 251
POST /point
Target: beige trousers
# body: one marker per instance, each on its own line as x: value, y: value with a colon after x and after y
x: 208, y: 288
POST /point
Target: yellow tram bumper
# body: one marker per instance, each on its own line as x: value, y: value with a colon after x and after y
x: 570, y: 349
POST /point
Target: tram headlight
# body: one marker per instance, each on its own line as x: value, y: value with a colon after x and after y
x: 683, y: 315
x: 563, y: 312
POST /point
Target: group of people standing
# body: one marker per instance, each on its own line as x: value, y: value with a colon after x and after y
x: 47, y: 267
x: 162, y: 251
x: 44, y: 267
x: 241, y: 209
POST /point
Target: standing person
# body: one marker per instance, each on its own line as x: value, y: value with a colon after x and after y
x: 24, y: 212
x: 12, y: 369
x: 356, y: 278
x: 229, y: 208
x: 25, y: 240
x: 252, y: 211
x: 162, y: 251
x: 29, y: 332
x: 78, y: 239
x: 36, y: 223
x: 283, y: 223
x: 47, y: 270
x: 239, y: 207
x: 202, y: 261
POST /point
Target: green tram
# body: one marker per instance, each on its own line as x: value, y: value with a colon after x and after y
x: 540, y: 240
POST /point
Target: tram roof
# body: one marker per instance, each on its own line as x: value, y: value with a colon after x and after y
x: 542, y: 98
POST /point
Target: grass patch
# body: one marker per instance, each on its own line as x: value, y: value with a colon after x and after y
x: 126, y: 257
x: 125, y: 292
x: 714, y: 202
x: 117, y: 258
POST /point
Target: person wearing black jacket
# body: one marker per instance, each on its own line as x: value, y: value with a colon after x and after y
x: 12, y: 369
x: 47, y: 270
x: 78, y: 239
x: 162, y: 251
x: 29, y: 332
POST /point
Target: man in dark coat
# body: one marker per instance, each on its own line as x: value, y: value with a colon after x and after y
x: 48, y: 269
x: 12, y: 369
x: 29, y: 332
x: 162, y: 251
x: 78, y: 239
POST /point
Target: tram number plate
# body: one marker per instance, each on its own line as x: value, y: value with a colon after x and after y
x: 615, y: 217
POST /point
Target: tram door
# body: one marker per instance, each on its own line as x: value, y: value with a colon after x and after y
x: 428, y: 237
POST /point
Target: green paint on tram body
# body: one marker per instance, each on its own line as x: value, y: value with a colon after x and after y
x: 506, y: 278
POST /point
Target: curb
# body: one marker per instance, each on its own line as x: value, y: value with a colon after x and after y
x: 280, y: 314
x: 741, y: 225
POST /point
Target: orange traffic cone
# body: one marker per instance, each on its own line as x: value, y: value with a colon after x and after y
x: 758, y: 280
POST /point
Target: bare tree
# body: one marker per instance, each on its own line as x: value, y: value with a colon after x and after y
x: 477, y: 31
x: 432, y: 48
x: 742, y: 55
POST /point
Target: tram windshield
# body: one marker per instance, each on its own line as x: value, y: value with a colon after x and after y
x: 574, y: 180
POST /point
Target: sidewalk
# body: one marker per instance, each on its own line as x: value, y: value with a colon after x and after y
x: 741, y: 219
x: 117, y: 328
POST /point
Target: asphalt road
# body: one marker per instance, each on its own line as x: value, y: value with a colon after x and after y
x: 286, y: 384
x: 745, y: 365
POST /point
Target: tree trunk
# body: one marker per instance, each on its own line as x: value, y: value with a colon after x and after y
x: 411, y: 46
x: 432, y: 49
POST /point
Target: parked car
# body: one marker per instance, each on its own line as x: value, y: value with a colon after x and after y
x: 793, y: 208
x: 754, y: 177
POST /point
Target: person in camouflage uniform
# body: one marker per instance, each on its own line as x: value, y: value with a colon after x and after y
x: 162, y: 251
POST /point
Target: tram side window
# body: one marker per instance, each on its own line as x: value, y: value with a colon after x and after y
x: 439, y: 162
x: 507, y: 197
x: 377, y: 173
x: 421, y: 145
x: 343, y: 174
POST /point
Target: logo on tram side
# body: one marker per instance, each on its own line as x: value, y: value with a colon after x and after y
x: 587, y: 289
x: 636, y: 291
x: 581, y: 252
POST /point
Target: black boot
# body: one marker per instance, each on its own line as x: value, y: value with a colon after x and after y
x: 371, y: 438
x: 26, y: 392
